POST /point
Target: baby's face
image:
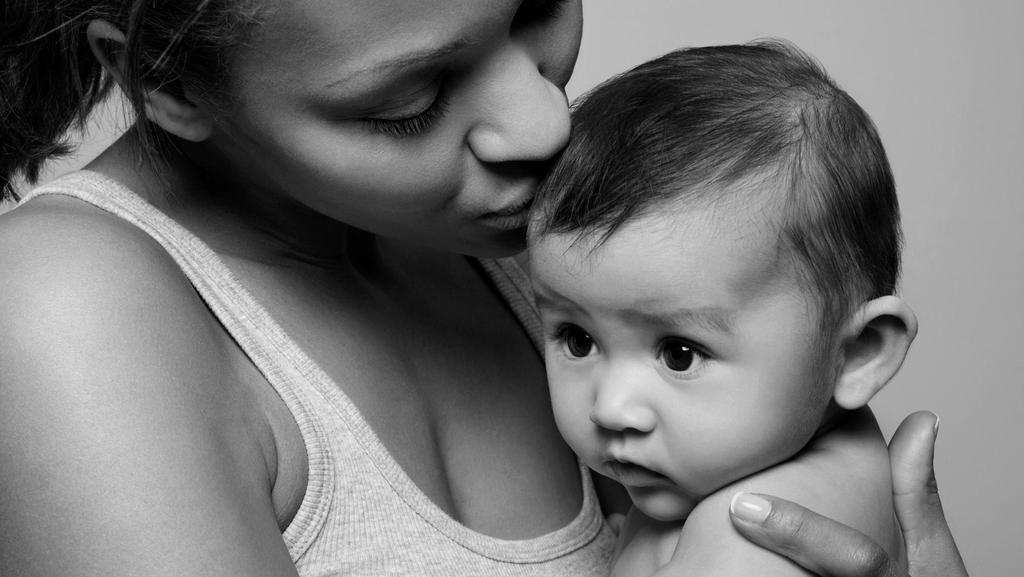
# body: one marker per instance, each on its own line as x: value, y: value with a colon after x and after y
x: 680, y: 353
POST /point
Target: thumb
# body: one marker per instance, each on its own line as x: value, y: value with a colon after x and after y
x: 916, y: 498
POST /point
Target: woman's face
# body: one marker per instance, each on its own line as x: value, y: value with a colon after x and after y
x: 429, y: 121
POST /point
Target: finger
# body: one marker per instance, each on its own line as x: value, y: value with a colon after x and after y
x: 819, y: 544
x: 915, y: 492
x: 930, y: 544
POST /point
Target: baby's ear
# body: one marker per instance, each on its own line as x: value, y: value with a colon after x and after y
x: 877, y: 338
x: 175, y: 113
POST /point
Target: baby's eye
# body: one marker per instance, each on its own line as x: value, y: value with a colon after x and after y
x: 679, y: 356
x: 576, y: 342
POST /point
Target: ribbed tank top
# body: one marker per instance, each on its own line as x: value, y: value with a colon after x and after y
x: 361, y: 514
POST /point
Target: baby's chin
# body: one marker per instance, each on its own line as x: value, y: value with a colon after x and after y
x: 662, y: 503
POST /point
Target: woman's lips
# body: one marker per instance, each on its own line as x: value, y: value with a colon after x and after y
x: 633, y: 475
x: 513, y: 208
x: 512, y: 217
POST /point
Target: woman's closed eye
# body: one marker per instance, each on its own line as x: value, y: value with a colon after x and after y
x: 576, y: 342
x: 681, y: 358
x: 538, y: 11
x: 404, y: 123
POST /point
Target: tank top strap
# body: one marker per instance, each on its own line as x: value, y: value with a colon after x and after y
x: 510, y: 279
x: 273, y: 353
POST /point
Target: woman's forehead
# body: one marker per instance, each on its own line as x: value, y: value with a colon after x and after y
x: 340, y: 41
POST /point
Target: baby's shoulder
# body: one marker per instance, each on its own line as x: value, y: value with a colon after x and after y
x: 844, y: 475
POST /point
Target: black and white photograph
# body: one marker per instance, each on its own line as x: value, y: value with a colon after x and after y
x: 511, y: 288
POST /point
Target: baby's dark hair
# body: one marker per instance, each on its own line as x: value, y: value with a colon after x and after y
x: 50, y: 81
x: 761, y: 118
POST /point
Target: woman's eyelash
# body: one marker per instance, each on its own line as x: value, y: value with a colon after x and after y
x: 532, y: 11
x: 412, y: 125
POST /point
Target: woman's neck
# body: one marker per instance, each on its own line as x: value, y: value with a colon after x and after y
x: 238, y: 218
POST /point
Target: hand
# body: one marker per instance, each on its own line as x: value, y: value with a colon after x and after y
x: 831, y: 549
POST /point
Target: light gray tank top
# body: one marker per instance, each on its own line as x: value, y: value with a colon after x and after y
x: 361, y: 514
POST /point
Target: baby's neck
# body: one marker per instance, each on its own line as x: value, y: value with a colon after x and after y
x: 834, y: 417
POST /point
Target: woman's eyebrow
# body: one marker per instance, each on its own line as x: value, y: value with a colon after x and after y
x: 408, y: 59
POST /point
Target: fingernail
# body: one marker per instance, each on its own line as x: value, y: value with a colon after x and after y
x: 935, y: 427
x: 750, y: 508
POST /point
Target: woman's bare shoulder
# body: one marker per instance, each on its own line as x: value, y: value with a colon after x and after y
x: 75, y: 276
x: 119, y: 430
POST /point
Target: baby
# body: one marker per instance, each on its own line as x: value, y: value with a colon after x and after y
x: 715, y: 257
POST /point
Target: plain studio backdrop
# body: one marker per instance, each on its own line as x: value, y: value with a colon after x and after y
x: 944, y: 82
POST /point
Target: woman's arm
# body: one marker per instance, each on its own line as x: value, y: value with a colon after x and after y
x: 126, y: 447
x: 831, y: 549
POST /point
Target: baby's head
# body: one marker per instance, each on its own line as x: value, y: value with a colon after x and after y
x: 715, y: 256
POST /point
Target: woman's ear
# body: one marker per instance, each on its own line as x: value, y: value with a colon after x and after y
x: 878, y: 334
x: 175, y: 113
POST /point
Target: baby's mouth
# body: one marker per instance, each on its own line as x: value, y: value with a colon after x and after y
x: 633, y: 475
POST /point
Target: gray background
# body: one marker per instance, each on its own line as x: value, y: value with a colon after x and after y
x: 944, y: 81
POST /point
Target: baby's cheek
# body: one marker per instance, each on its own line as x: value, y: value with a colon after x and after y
x: 572, y: 416
x: 754, y: 446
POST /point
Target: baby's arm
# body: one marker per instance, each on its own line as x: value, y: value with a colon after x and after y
x: 843, y: 475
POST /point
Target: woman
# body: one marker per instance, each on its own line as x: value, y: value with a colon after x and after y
x: 257, y: 347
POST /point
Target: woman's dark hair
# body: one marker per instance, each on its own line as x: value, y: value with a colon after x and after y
x: 50, y: 81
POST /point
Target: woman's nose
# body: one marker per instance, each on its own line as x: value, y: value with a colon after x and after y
x: 523, y: 116
x: 620, y: 404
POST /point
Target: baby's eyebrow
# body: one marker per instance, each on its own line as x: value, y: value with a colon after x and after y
x: 552, y: 300
x: 716, y: 319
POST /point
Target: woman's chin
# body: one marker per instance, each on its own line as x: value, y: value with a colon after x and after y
x: 496, y: 244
